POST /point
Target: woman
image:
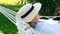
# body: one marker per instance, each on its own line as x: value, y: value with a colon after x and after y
x: 29, y: 13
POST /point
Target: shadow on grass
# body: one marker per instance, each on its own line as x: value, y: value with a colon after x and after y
x: 7, y: 26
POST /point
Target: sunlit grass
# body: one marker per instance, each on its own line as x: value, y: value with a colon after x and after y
x: 12, y: 2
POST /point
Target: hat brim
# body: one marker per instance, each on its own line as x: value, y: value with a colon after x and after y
x: 30, y: 17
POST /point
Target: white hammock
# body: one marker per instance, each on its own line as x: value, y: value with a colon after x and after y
x: 21, y: 25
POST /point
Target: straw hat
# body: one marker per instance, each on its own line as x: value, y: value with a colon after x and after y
x: 28, y: 11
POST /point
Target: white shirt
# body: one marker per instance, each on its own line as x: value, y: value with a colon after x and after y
x: 48, y: 28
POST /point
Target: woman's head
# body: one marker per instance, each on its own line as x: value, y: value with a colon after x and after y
x: 36, y: 18
x: 28, y: 12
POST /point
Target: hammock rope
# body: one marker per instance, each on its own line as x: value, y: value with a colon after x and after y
x: 11, y: 16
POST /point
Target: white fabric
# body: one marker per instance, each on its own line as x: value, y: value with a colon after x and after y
x: 20, y: 24
x: 47, y: 28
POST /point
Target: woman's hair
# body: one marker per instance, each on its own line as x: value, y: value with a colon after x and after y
x: 32, y: 24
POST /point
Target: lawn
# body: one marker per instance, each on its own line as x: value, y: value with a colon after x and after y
x: 6, y: 26
x: 12, y: 2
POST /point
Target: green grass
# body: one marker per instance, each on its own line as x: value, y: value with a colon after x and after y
x: 6, y: 26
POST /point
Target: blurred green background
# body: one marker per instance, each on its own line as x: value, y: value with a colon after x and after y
x: 49, y: 8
